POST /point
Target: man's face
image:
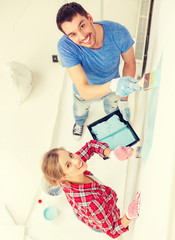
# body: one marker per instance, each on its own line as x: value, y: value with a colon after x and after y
x: 81, y: 31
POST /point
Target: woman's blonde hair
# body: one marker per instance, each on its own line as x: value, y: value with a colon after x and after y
x: 51, y: 167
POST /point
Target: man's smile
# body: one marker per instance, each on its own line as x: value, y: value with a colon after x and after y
x: 87, y: 40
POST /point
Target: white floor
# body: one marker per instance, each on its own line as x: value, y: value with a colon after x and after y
x: 25, y: 129
x: 45, y: 121
x: 121, y: 176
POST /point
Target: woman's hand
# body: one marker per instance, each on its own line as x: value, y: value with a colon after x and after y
x: 121, y: 153
x: 134, y: 208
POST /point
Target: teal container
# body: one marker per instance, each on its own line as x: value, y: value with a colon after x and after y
x: 50, y: 213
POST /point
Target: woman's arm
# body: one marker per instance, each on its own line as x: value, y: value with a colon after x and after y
x: 107, y: 220
x: 120, y: 153
x: 107, y: 152
x: 91, y: 147
x: 125, y: 222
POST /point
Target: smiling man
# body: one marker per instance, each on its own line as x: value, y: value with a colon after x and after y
x: 91, y: 53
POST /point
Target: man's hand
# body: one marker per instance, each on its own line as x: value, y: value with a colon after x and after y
x: 123, y: 106
x: 124, y: 86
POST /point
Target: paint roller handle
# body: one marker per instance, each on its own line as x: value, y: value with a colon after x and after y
x: 124, y: 86
x: 140, y: 83
x: 137, y: 152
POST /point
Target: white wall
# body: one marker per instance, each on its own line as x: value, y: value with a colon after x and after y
x: 157, y: 219
x: 124, y: 12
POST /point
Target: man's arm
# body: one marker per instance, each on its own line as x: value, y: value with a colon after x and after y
x: 129, y: 68
x: 126, y: 86
x: 85, y: 90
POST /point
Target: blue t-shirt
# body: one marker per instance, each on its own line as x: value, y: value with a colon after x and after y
x: 100, y: 65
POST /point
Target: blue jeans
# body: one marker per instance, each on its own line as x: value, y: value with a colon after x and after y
x: 81, y: 106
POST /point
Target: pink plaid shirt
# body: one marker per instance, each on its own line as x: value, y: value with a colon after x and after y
x: 93, y: 203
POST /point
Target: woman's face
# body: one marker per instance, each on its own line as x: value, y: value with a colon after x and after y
x: 71, y: 164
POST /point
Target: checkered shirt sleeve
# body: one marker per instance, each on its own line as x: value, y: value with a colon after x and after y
x: 108, y: 218
x: 91, y: 147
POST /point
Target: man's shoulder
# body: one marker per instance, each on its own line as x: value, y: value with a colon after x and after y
x: 64, y: 42
x: 109, y: 24
x: 64, y: 39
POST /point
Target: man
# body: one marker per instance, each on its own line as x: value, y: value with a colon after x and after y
x: 91, y: 53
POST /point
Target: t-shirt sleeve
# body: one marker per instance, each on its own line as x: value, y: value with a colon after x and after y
x: 67, y: 52
x: 122, y: 37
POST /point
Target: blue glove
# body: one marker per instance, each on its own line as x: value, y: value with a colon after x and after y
x: 123, y: 106
x: 124, y: 86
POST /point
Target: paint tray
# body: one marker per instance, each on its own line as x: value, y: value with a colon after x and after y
x: 113, y: 130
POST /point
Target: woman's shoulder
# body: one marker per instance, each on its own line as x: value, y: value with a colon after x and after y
x: 87, y: 173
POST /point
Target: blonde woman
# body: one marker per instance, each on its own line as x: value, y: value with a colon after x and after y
x: 94, y: 203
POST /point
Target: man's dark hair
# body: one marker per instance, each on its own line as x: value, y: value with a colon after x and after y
x: 67, y: 12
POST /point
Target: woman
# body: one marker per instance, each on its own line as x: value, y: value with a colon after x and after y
x: 92, y: 202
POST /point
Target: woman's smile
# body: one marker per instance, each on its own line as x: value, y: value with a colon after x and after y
x: 81, y: 164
